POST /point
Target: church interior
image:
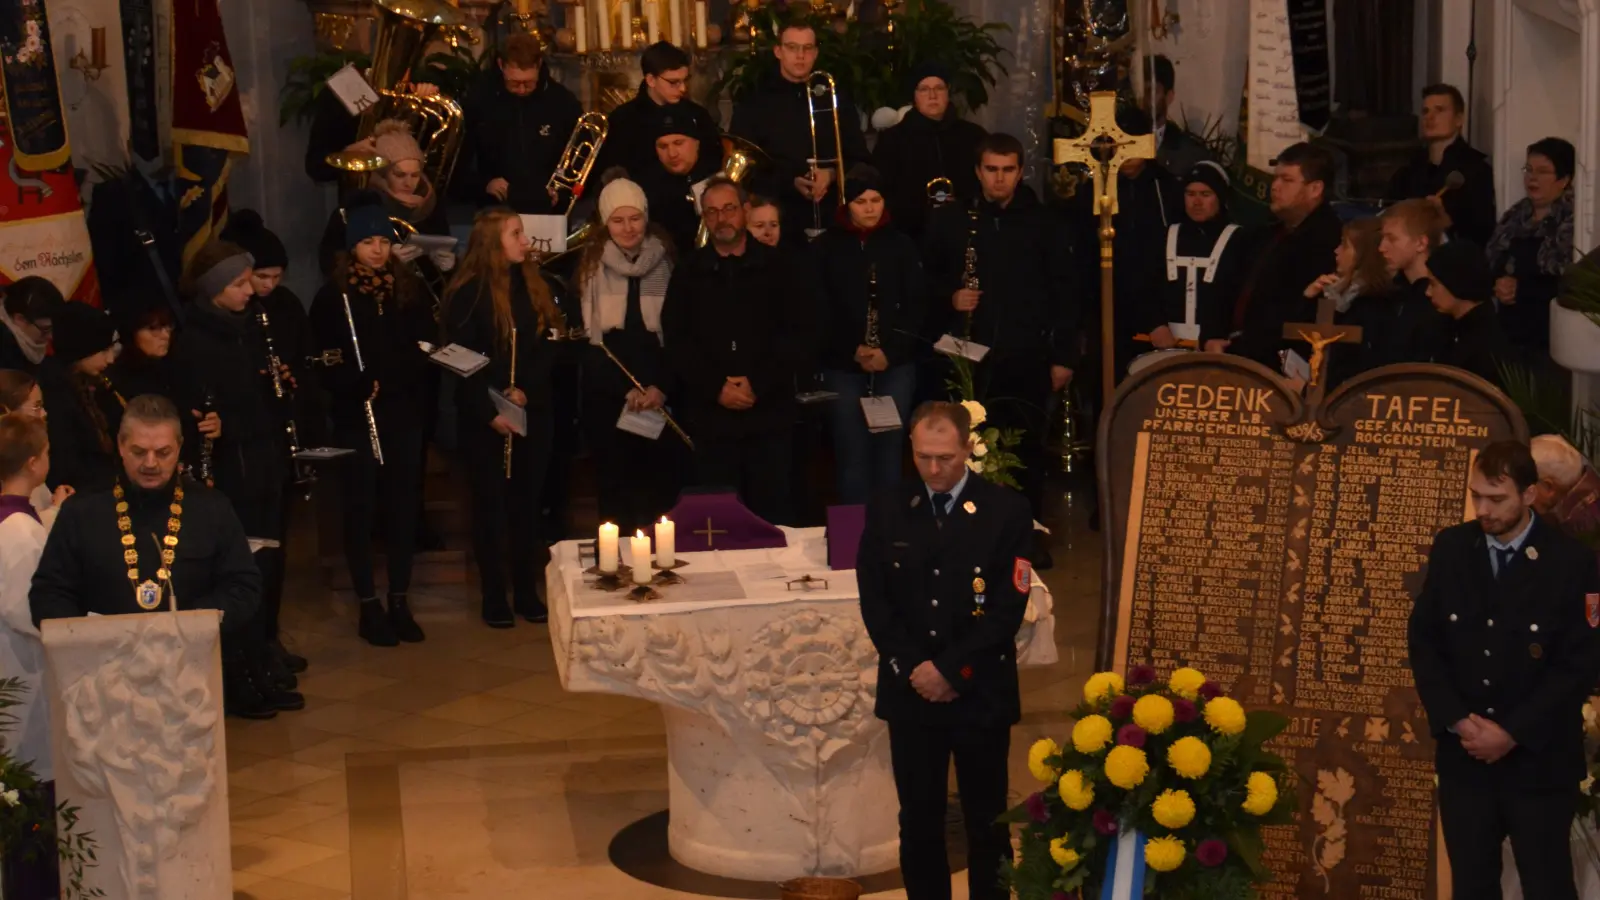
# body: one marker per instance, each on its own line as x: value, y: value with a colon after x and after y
x: 707, y: 729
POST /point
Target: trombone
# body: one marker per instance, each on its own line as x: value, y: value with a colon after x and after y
x: 822, y: 95
x: 578, y: 158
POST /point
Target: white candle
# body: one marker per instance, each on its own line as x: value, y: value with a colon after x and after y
x: 627, y: 25
x: 580, y: 27
x: 606, y: 552
x: 642, y: 572
x: 652, y: 20
x: 700, y: 24
x: 675, y: 8
x: 666, y: 543
x: 603, y: 15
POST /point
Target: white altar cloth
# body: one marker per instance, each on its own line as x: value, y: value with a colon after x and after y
x: 777, y: 766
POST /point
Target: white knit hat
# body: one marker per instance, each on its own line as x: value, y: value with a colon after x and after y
x: 621, y: 192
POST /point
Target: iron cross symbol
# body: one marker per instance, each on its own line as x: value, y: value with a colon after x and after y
x: 1320, y: 334
x: 1102, y: 135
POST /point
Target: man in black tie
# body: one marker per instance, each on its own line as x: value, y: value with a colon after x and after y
x: 1504, y: 652
x: 944, y: 580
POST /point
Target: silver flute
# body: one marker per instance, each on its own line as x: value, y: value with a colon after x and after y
x: 361, y: 366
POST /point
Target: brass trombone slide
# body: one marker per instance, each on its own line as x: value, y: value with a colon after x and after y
x: 822, y: 95
x: 578, y: 158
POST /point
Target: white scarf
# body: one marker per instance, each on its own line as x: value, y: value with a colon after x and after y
x: 33, y: 350
x: 605, y: 293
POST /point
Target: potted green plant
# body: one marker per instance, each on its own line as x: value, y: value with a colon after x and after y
x: 452, y: 70
x: 30, y: 827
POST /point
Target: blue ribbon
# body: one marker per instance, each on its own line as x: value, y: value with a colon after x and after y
x: 1125, y: 868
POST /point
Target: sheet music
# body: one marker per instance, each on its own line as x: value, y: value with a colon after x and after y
x: 647, y: 424
x: 463, y: 361
x: 547, y: 234
x: 1274, y: 107
x: 1295, y: 366
x: 881, y: 413
x: 432, y: 243
x: 512, y: 412
x: 950, y: 345
x: 352, y: 90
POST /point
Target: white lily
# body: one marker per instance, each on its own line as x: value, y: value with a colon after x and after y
x: 976, y: 411
x: 975, y: 465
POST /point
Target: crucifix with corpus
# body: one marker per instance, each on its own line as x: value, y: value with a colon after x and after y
x: 1104, y: 147
x: 1320, y: 334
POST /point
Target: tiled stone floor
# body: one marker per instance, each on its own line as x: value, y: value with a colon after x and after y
x: 459, y: 767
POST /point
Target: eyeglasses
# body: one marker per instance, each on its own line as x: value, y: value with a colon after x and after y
x: 933, y: 90
x: 1540, y: 172
x: 723, y: 212
x: 807, y: 49
x: 673, y: 82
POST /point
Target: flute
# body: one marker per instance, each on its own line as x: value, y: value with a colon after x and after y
x: 355, y: 344
x: 640, y: 388
x: 511, y: 385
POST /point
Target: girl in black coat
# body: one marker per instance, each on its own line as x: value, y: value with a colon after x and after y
x: 499, y: 305
x: 391, y: 313
x: 83, y: 446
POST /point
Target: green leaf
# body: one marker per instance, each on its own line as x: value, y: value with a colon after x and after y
x: 1246, y: 843
x: 1261, y: 726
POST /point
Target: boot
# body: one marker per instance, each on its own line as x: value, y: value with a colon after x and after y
x: 533, y: 610
x: 405, y: 627
x: 497, y: 613
x: 374, y: 627
x: 294, y: 662
x: 240, y: 696
x: 272, y: 692
x: 277, y: 674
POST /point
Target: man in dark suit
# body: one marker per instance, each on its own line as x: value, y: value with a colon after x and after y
x: 944, y: 581
x: 1504, y: 652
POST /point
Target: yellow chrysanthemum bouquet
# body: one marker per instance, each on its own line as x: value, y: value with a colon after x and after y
x: 1176, y: 768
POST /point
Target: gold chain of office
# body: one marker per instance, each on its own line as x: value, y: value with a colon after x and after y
x: 169, y: 552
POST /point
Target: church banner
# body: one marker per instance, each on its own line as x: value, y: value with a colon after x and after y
x: 139, y: 61
x: 42, y: 230
x: 207, y: 122
x: 1313, y: 80
x: 1273, y: 106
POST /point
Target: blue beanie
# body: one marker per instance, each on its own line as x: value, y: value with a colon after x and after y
x: 363, y: 222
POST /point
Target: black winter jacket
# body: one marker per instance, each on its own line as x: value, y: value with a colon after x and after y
x: 843, y: 256
x: 469, y: 321
x: 1284, y: 264
x: 388, y: 349
x: 631, y: 138
x: 1471, y: 206
x: 916, y: 151
x: 518, y: 138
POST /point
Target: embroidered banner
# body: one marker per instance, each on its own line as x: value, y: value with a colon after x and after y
x: 207, y: 122
x: 1308, y: 39
x: 139, y: 61
x: 42, y: 230
x: 33, y: 111
x: 1274, y: 107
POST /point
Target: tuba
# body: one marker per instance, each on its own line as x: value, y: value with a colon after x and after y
x: 582, y: 149
x: 405, y: 29
x: 739, y: 156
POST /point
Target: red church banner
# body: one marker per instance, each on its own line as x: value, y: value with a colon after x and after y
x: 207, y: 120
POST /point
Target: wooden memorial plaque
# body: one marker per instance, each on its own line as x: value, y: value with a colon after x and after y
x: 1275, y: 544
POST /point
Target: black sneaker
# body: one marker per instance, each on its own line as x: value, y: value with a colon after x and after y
x: 497, y: 614
x: 401, y: 622
x: 533, y: 610
x: 374, y: 627
x: 241, y: 698
x: 294, y: 662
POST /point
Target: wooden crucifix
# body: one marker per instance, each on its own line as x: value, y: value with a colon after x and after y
x: 1104, y: 147
x: 1320, y: 335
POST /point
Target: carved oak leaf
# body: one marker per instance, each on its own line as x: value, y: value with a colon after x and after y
x: 1294, y: 561
x: 1322, y: 811
x: 1308, y: 464
x: 1287, y: 627
x: 1299, y: 530
x: 1300, y: 498
x: 1408, y: 735
x: 1287, y: 659
x: 1331, y: 854
x: 1339, y: 785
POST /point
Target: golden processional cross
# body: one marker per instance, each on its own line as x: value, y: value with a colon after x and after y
x: 1104, y: 147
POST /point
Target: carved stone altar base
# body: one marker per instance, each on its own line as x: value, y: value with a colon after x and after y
x: 138, y: 744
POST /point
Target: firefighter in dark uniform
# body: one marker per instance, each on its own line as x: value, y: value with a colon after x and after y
x: 944, y: 581
x: 1504, y: 650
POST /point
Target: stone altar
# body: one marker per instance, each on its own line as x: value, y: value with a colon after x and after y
x: 777, y: 766
x: 139, y: 747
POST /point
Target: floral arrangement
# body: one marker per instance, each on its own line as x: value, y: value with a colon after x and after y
x: 993, y: 449
x: 1178, y: 765
x: 28, y: 824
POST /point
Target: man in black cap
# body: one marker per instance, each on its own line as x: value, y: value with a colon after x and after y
x: 680, y: 161
x: 1204, y: 264
x: 1461, y: 286
x: 927, y: 160
x: 632, y: 128
x: 29, y: 305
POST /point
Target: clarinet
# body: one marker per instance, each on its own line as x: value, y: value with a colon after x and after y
x: 279, y: 390
x: 207, y: 472
x: 969, y: 269
x: 872, y: 340
x: 361, y: 366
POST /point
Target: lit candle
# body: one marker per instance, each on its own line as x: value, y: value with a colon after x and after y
x: 652, y: 20
x: 676, y: 9
x: 627, y: 25
x: 642, y: 572
x: 606, y: 552
x: 580, y: 28
x: 603, y: 17
x: 700, y: 24
x: 666, y: 543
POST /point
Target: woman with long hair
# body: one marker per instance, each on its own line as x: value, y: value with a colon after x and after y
x: 83, y: 447
x: 621, y: 281
x: 385, y: 373
x: 499, y: 305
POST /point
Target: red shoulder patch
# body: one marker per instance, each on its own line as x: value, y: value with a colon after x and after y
x: 1591, y: 608
x: 966, y: 672
x: 1022, y: 576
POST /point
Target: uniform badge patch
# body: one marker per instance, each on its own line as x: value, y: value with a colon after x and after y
x: 1591, y: 608
x: 1022, y: 579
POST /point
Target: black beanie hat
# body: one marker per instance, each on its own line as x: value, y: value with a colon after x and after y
x: 859, y: 180
x: 1211, y: 175
x: 80, y: 330
x: 1463, y: 270
x: 246, y: 229
x: 924, y: 70
x: 677, y: 118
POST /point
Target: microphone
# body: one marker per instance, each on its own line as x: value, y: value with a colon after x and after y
x: 1451, y: 182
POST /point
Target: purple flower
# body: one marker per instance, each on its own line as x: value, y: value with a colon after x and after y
x: 1122, y: 707
x: 1105, y: 822
x: 1183, y: 710
x: 1210, y: 690
x: 1141, y: 675
x: 1211, y: 852
x: 1131, y: 735
x: 1038, y: 811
